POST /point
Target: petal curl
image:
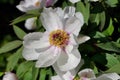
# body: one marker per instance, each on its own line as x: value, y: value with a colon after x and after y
x: 31, y: 38
x: 48, y: 57
x: 50, y: 20
x: 69, y: 61
x: 30, y: 54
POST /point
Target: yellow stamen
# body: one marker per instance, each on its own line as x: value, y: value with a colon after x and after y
x: 59, y: 38
x: 37, y: 4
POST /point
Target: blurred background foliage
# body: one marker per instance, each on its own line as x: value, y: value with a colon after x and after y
x: 101, y: 52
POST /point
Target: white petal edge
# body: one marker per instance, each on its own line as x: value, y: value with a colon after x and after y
x: 30, y: 54
x: 87, y: 73
x: 73, y: 26
x: 50, y: 20
x: 69, y: 61
x: 109, y: 76
x: 9, y: 76
x: 74, y: 1
x: 48, y: 57
x: 57, y: 77
x: 82, y: 38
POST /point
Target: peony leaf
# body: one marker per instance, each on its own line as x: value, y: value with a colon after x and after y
x: 19, y: 32
x: 10, y: 46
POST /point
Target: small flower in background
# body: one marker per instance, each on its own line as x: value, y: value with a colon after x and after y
x: 9, y: 76
x: 75, y: 1
x: 30, y: 23
x: 58, y: 44
x: 87, y: 74
x: 27, y: 5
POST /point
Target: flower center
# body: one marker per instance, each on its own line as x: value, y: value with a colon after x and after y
x: 59, y: 38
x: 37, y: 4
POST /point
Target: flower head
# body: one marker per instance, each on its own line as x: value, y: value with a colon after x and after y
x: 9, y: 76
x: 58, y: 44
x: 27, y: 5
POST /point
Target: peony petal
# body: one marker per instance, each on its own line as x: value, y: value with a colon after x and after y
x: 48, y: 57
x: 73, y: 72
x: 73, y: 25
x: 30, y: 23
x: 30, y: 54
x: 87, y: 73
x: 69, y: 12
x: 80, y: 17
x: 74, y: 1
x: 82, y: 38
x: 109, y: 76
x: 50, y: 20
x: 9, y: 76
x: 30, y: 38
x: 56, y: 77
x: 69, y: 61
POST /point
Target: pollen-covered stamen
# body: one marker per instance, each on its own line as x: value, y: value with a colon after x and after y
x: 59, y: 38
x: 37, y: 4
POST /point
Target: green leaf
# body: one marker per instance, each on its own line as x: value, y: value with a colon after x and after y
x: 34, y: 12
x: 111, y: 60
x: 94, y: 18
x: 110, y: 46
x: 115, y: 68
x: 1, y: 73
x: 22, y: 18
x: 109, y: 30
x: 99, y: 35
x: 102, y: 20
x: 28, y: 75
x: 13, y: 59
x: 50, y: 73
x: 35, y: 72
x: 84, y: 9
x: 42, y: 74
x: 19, y: 32
x: 112, y: 3
x: 23, y: 68
x: 10, y: 46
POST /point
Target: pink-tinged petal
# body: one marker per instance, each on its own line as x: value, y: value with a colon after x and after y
x: 109, y: 76
x: 30, y: 54
x: 68, y: 76
x: 50, y: 20
x: 69, y: 61
x: 48, y: 57
x: 9, y: 76
x: 73, y: 26
x: 31, y: 38
x: 87, y: 73
x: 50, y: 2
x: 82, y: 38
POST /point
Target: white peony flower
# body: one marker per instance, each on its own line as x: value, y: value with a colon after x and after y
x: 27, y: 5
x: 87, y: 74
x: 58, y: 44
x: 93, y: 0
x: 9, y: 76
x: 74, y: 1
